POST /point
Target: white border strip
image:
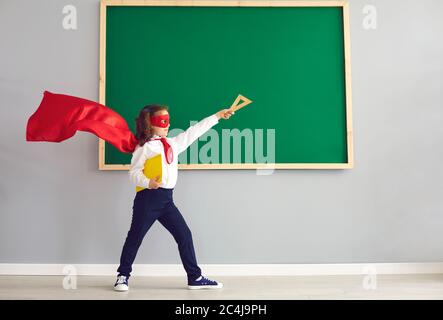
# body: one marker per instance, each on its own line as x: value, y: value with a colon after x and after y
x: 170, y: 270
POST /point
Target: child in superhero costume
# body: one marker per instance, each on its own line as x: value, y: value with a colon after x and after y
x: 60, y: 116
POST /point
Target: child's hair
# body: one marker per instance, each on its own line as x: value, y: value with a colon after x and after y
x: 143, y: 124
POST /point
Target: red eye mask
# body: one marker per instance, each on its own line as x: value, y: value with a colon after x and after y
x: 160, y: 121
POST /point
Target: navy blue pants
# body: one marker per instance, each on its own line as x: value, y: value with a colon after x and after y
x: 151, y: 205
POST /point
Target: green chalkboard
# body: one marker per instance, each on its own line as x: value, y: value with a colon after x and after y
x: 290, y: 61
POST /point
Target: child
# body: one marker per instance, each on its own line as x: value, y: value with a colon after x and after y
x: 156, y: 201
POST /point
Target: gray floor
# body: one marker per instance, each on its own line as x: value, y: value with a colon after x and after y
x: 425, y: 286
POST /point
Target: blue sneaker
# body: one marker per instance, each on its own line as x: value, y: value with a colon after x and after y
x: 121, y: 284
x: 204, y: 283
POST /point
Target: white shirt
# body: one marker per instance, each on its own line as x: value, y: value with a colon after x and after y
x: 153, y: 147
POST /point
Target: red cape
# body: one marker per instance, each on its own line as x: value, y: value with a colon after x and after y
x: 59, y: 116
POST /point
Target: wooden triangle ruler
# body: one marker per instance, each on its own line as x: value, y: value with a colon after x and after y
x: 236, y: 105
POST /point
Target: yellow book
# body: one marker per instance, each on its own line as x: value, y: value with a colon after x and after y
x: 152, y: 169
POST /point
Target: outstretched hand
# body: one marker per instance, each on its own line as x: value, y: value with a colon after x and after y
x: 225, y: 114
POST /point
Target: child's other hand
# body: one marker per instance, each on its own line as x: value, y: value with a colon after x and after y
x: 225, y: 114
x: 154, y: 183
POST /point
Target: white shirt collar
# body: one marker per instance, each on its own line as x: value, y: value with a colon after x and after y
x: 155, y: 136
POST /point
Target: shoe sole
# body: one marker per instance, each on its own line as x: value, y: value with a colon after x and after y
x: 121, y: 290
x: 219, y: 286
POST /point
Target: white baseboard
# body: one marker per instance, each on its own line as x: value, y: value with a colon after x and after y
x: 225, y: 269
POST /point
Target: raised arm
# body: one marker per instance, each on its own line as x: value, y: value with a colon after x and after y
x: 186, y: 138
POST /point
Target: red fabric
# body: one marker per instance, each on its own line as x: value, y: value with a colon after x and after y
x: 59, y: 116
x: 157, y: 121
x: 167, y: 149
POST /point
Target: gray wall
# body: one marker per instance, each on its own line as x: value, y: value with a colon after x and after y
x: 57, y: 207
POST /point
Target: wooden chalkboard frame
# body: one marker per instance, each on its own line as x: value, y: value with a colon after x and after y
x: 347, y: 63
